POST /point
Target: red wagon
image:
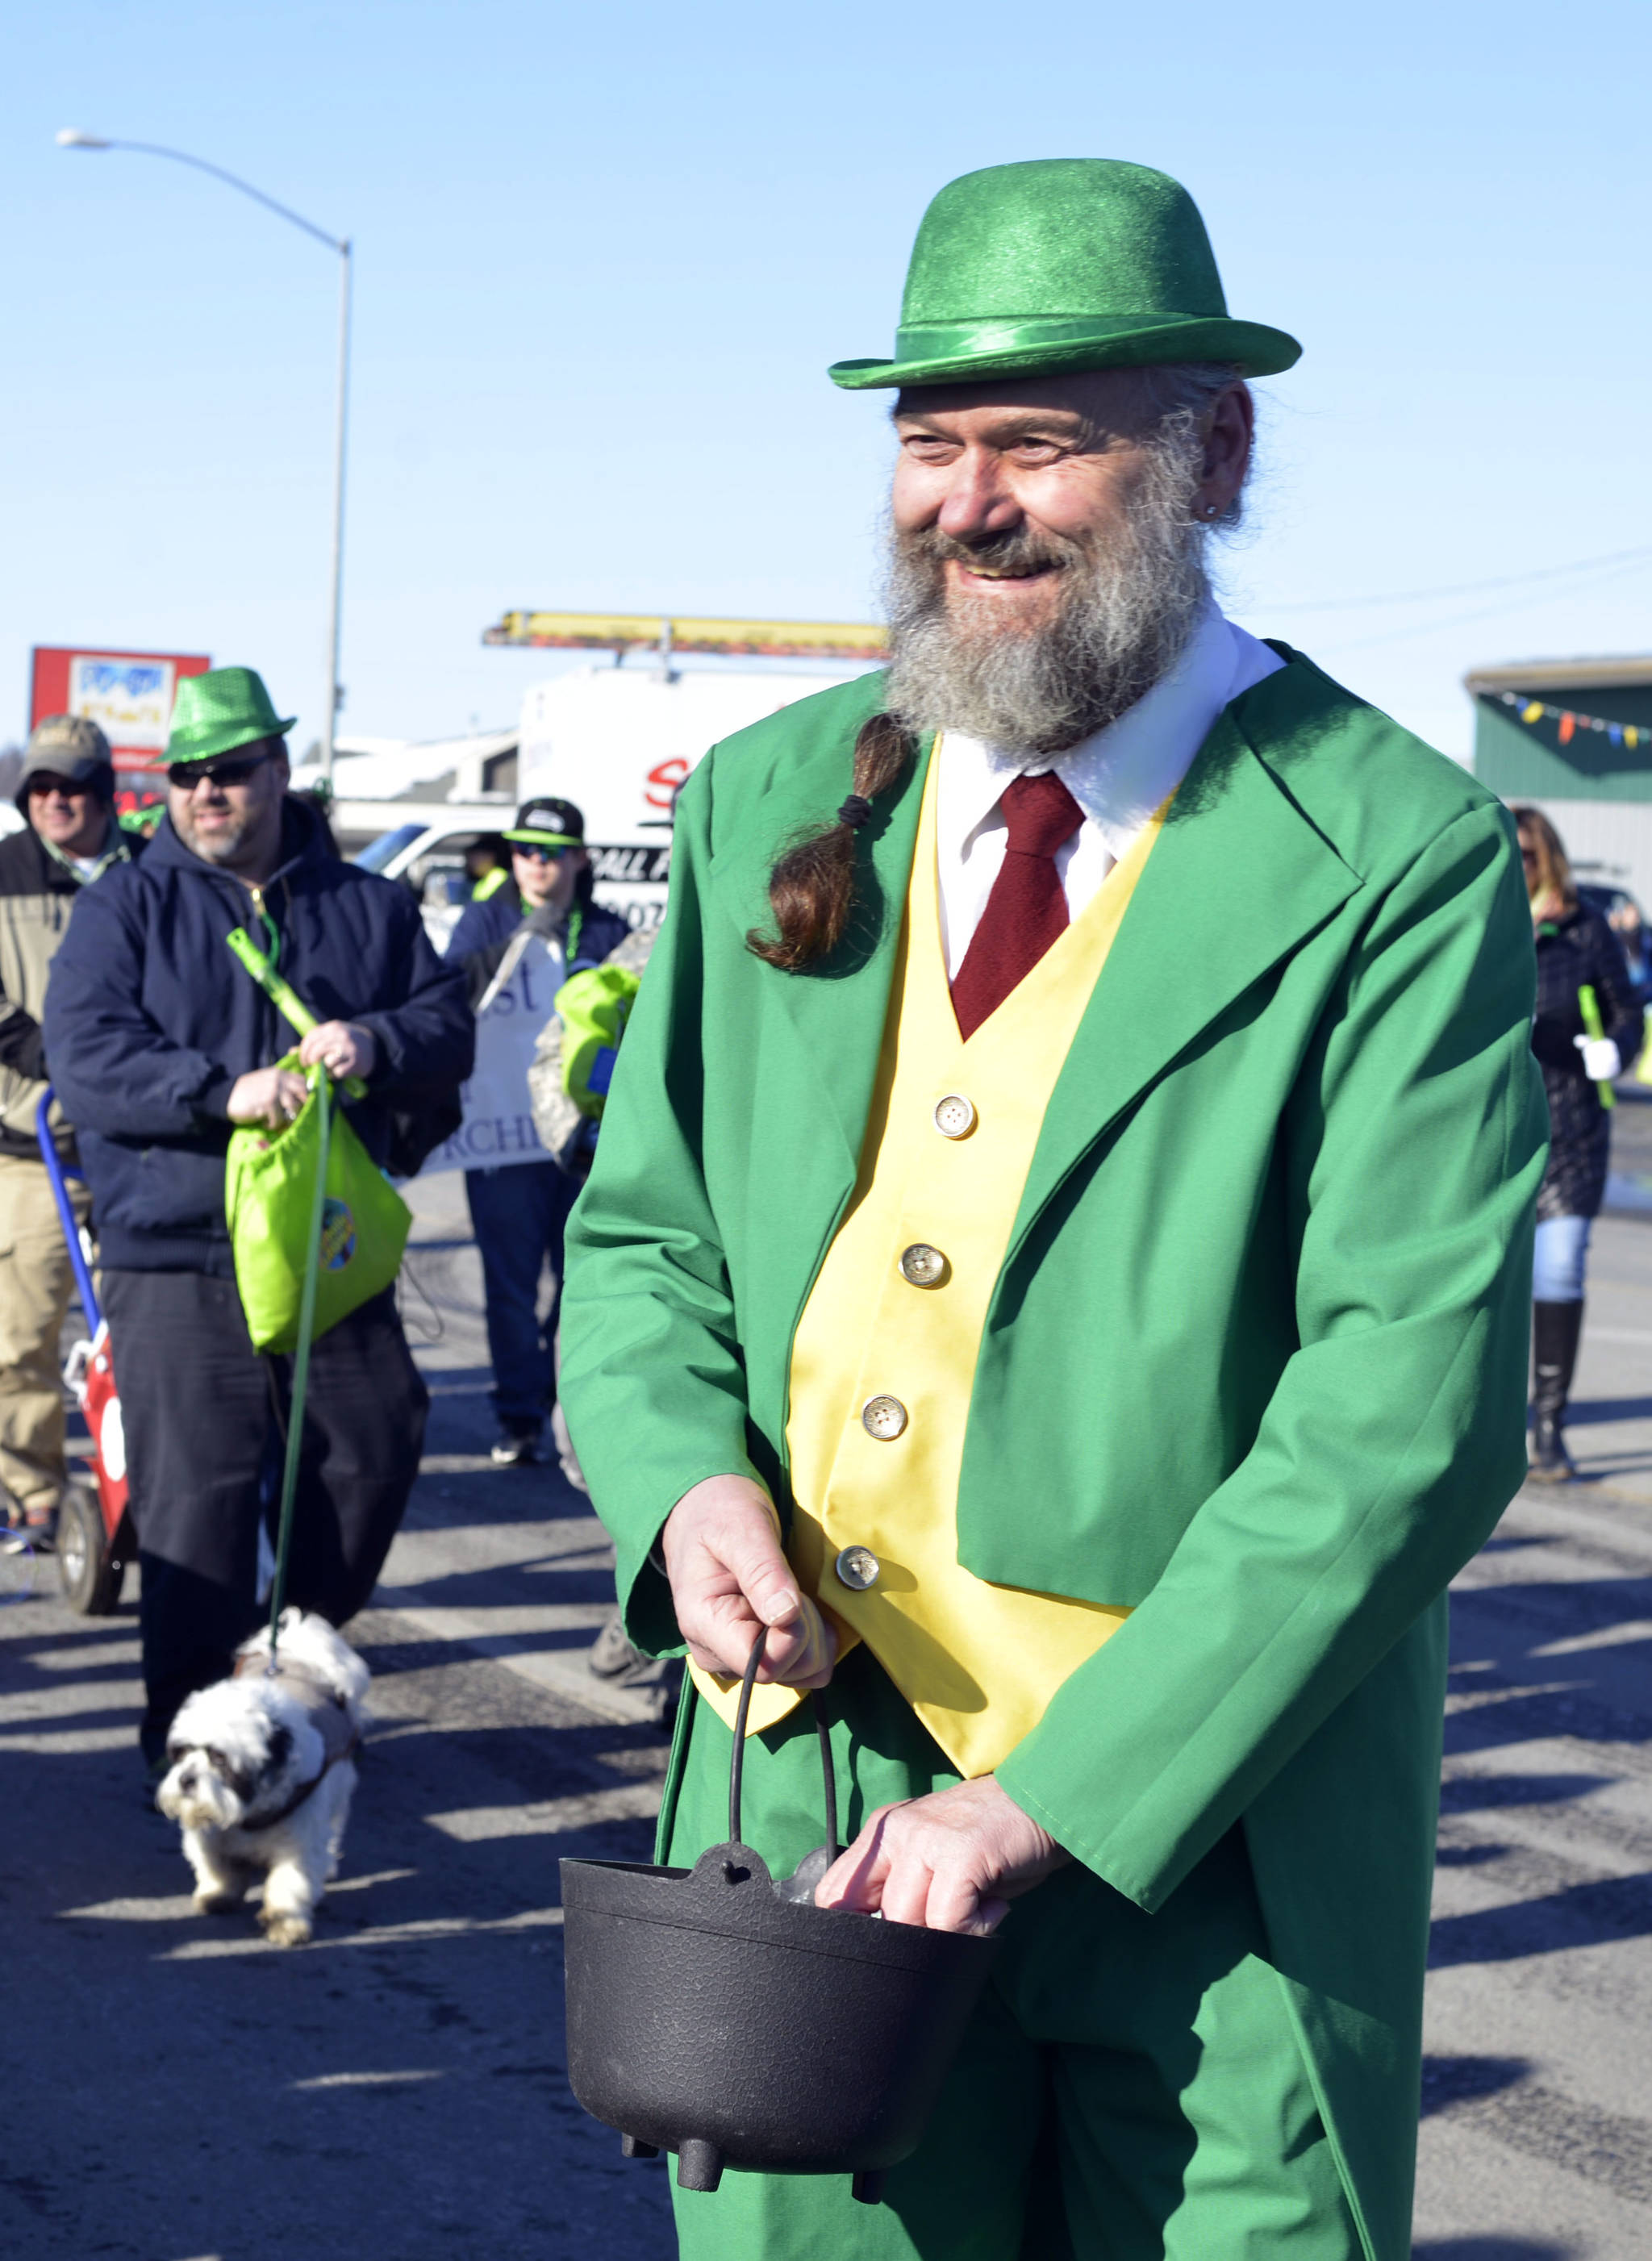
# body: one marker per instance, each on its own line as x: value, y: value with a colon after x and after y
x: 94, y: 1536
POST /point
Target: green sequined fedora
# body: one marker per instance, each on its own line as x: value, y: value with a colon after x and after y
x: 1064, y: 263
x: 214, y: 712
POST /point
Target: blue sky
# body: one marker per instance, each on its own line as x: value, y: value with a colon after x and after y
x: 604, y: 255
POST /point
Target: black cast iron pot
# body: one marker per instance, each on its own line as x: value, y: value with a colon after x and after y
x: 716, y: 2013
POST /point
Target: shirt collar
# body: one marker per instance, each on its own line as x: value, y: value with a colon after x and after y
x: 1121, y: 774
x: 115, y: 851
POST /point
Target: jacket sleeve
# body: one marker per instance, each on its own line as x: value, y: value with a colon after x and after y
x: 21, y: 1046
x: 114, y: 1069
x: 1621, y: 1013
x: 427, y: 1042
x: 21, y: 1049
x: 478, y: 926
x: 648, y: 1320
x: 1413, y: 1144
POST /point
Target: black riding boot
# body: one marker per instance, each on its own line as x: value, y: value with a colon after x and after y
x: 1555, y: 1328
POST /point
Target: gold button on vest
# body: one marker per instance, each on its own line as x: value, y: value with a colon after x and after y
x: 881, y: 1378
x: 923, y: 1265
x: 858, y: 1566
x: 883, y: 1417
x: 954, y: 1116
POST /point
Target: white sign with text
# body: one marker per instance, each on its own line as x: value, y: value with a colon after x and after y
x: 130, y: 700
x: 497, y: 1129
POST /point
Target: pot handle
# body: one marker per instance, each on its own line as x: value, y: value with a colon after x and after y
x: 737, y: 1763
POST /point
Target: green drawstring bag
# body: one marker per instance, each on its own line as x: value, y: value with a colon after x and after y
x: 593, y: 1007
x: 269, y: 1185
x: 268, y: 1195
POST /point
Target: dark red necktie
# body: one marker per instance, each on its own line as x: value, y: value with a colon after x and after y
x: 1027, y: 907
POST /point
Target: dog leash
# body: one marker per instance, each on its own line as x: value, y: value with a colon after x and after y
x: 320, y: 1085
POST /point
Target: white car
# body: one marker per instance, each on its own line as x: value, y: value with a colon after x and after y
x: 430, y: 860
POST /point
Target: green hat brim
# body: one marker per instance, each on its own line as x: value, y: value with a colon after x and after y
x: 208, y: 745
x: 543, y: 839
x: 967, y: 353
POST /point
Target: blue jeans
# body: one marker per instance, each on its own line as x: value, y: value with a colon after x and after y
x: 518, y: 1215
x: 1558, y: 1259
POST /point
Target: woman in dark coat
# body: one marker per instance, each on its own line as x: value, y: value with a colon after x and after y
x: 1575, y: 951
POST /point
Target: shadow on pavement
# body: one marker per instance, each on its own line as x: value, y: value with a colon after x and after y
x: 1538, y: 1658
x: 1490, y: 2249
x: 1596, y: 1915
x: 1449, y: 2080
x: 1583, y: 1411
x: 1472, y: 1793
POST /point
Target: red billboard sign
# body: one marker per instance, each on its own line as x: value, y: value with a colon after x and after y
x: 128, y: 693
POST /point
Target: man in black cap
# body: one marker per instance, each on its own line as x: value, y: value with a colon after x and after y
x: 519, y: 1207
x: 67, y: 800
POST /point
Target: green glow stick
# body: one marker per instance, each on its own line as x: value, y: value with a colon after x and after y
x: 1589, y: 1006
x: 282, y: 996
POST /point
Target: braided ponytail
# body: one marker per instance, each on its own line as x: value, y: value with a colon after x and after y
x: 812, y: 887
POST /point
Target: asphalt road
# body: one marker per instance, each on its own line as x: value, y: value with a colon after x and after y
x: 178, y: 2091
x: 1537, y: 2129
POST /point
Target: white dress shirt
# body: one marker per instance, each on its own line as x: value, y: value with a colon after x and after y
x: 1118, y: 778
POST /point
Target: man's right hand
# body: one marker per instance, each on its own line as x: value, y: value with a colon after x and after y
x: 267, y: 1094
x: 721, y: 1545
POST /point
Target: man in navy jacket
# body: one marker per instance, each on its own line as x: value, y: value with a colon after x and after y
x: 158, y: 1042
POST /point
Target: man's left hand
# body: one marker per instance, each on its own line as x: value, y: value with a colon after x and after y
x: 341, y: 1047
x: 951, y: 1862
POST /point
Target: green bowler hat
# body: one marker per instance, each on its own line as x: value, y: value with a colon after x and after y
x: 1065, y: 263
x: 214, y: 712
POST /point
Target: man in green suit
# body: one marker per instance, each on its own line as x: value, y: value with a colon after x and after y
x: 1056, y: 1270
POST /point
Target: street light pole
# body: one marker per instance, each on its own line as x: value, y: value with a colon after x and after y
x: 73, y: 137
x: 336, y: 597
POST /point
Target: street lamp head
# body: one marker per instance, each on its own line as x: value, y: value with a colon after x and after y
x: 76, y: 136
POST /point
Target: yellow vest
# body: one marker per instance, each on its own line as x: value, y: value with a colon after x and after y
x: 883, y: 1361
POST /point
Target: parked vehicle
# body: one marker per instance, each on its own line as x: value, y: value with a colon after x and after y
x: 427, y: 852
x: 617, y: 741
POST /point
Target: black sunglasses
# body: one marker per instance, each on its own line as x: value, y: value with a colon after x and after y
x: 233, y: 769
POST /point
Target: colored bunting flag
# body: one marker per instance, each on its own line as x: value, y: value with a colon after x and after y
x: 1570, y: 721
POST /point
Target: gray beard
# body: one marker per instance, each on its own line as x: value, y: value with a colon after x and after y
x: 223, y: 853
x: 1125, y: 619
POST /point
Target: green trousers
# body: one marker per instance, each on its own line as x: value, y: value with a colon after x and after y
x: 1132, y: 2089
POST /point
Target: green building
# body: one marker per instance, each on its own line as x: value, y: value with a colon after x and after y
x: 1575, y: 735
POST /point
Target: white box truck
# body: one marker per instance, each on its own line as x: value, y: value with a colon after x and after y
x: 617, y: 741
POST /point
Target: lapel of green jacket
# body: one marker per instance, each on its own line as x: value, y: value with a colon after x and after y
x: 1239, y: 877
x: 838, y: 1012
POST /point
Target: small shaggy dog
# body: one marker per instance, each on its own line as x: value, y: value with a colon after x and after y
x: 261, y: 1774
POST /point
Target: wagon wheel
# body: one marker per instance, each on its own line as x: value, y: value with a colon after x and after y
x: 90, y: 1574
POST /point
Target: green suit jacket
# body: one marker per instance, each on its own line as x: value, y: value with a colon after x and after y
x: 1255, y: 1362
